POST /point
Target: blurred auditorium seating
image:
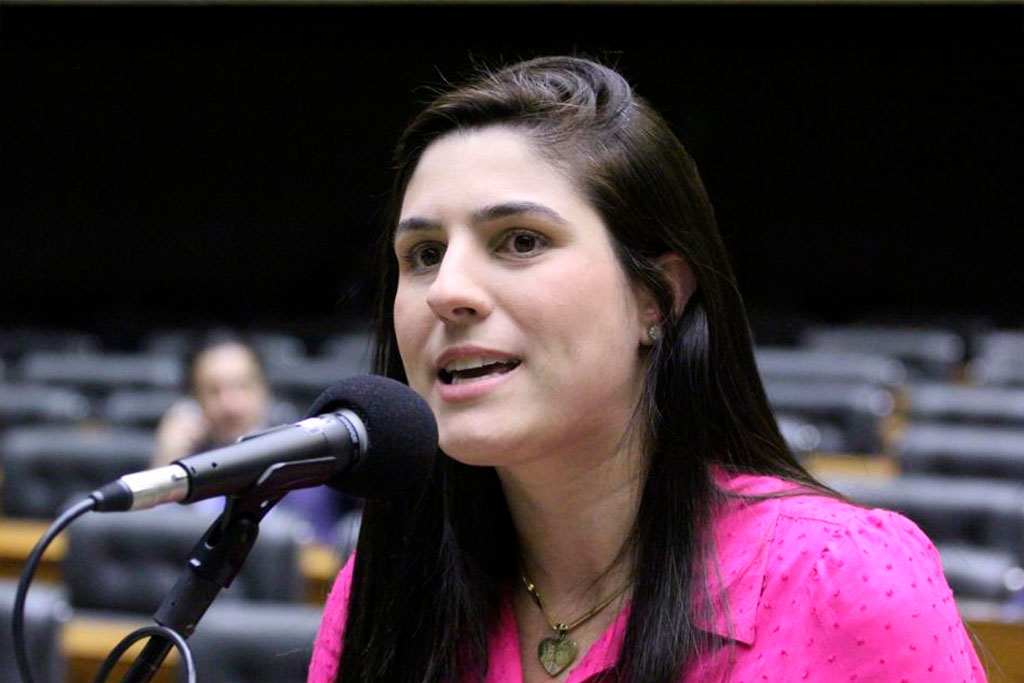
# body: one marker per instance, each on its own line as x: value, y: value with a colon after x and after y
x: 855, y: 410
x: 927, y: 353
x: 303, y: 378
x: 137, y: 407
x: 776, y: 363
x: 252, y: 642
x: 981, y: 573
x: 965, y: 404
x: 805, y: 437
x: 965, y: 450
x: 40, y: 403
x: 101, y: 371
x: 127, y: 562
x: 999, y: 360
x: 46, y: 466
x: 46, y: 612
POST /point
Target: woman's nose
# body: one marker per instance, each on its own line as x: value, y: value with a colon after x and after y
x: 458, y: 293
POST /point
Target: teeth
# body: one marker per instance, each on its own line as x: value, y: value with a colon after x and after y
x: 463, y: 380
x: 472, y: 369
x: 468, y: 364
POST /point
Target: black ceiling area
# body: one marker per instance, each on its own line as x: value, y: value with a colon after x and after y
x: 229, y: 163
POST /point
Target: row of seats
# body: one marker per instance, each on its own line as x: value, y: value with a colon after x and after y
x: 236, y: 642
x: 955, y: 438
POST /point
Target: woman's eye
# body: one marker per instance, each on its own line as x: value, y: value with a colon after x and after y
x: 523, y: 243
x: 425, y: 255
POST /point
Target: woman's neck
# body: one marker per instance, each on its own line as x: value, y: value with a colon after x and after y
x: 573, y: 516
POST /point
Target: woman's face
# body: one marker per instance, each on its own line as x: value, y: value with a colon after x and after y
x: 513, y: 316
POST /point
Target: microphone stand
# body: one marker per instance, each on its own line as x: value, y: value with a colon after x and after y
x: 219, y: 555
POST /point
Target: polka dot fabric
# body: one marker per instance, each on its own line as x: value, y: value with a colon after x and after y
x: 323, y: 668
x: 816, y: 590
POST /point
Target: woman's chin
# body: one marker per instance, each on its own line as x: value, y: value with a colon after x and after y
x: 473, y: 455
x: 478, y: 450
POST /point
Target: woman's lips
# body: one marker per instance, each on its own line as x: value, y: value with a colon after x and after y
x: 465, y: 388
x: 474, y: 371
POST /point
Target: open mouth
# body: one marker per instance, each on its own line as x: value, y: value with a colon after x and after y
x: 471, y: 369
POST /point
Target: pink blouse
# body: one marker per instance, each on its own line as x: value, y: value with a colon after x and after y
x: 817, y: 590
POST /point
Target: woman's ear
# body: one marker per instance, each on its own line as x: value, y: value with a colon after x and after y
x: 679, y: 277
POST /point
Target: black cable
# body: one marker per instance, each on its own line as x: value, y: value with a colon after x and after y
x: 138, y: 634
x: 18, y: 622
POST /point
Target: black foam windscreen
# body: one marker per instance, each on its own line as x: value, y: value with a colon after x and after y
x: 401, y: 430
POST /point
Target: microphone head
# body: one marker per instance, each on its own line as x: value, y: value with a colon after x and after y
x: 401, y: 429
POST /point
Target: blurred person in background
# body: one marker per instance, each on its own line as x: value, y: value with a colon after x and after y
x: 230, y: 397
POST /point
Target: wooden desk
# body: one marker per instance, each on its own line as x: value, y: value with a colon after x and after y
x: 87, y: 642
x: 1001, y: 649
x: 18, y: 537
x: 869, y: 467
x: 319, y: 565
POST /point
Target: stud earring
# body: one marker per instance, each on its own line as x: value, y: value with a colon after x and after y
x: 654, y: 334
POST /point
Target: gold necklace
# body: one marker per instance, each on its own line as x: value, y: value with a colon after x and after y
x: 558, y: 652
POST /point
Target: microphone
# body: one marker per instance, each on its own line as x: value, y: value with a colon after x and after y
x: 366, y: 436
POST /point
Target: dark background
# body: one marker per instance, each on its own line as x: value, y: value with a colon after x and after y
x: 190, y: 165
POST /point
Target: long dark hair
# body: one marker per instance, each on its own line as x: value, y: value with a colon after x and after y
x: 432, y: 565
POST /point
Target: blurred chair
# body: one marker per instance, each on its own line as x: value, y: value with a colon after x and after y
x: 981, y: 573
x: 838, y: 366
x: 248, y: 642
x: 977, y: 512
x: 128, y: 562
x: 977, y: 451
x: 34, y: 403
x: 276, y: 348
x: 102, y: 372
x: 14, y: 343
x: 927, y: 353
x: 303, y: 380
x: 44, y: 466
x: 956, y: 403
x: 357, y: 347
x: 46, y: 611
x: 804, y: 437
x: 1000, y: 344
x: 858, y: 411
x: 138, y: 407
x: 1004, y: 371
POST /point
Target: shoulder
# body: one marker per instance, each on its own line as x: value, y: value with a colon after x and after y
x: 858, y: 593
x: 323, y: 667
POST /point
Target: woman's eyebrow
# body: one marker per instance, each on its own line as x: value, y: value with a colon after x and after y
x: 497, y: 211
x: 413, y: 224
x: 484, y: 215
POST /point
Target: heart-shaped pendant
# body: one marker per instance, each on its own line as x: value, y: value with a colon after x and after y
x: 556, y: 654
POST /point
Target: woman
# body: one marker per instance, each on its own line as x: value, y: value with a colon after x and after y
x: 614, y: 499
